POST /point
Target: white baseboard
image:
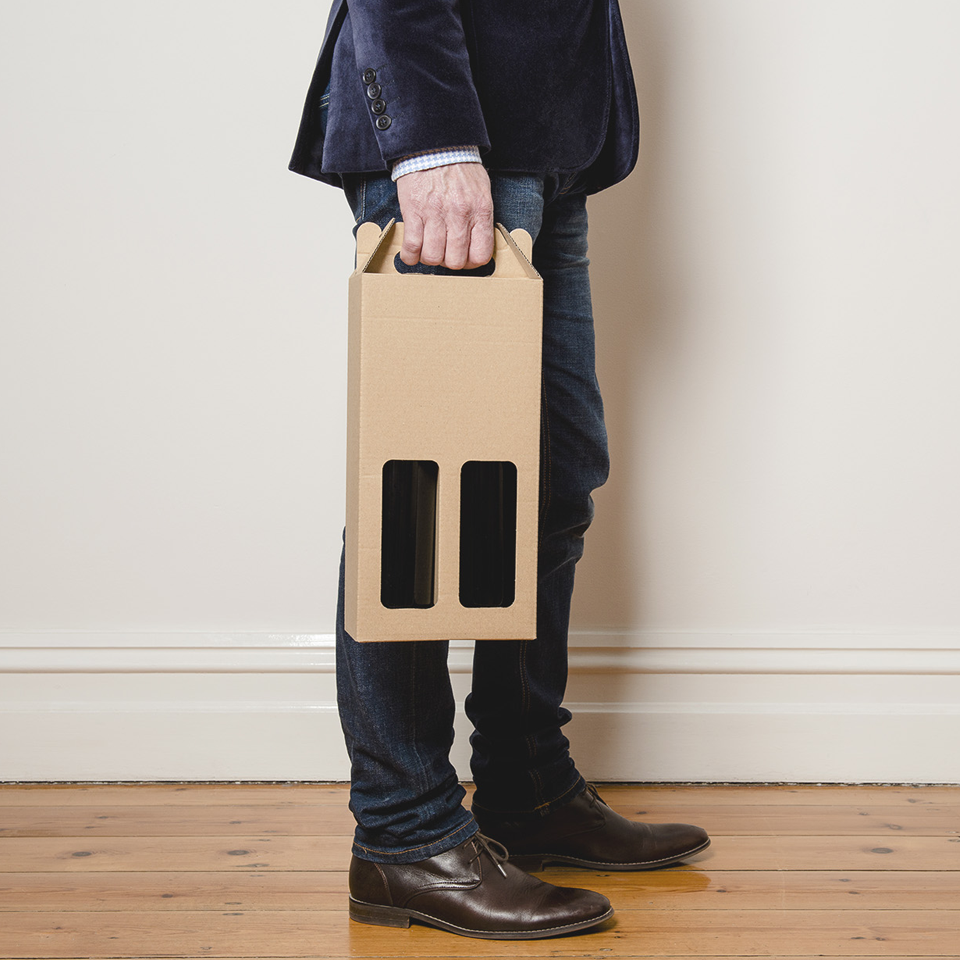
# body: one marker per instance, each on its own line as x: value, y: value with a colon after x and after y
x: 720, y: 706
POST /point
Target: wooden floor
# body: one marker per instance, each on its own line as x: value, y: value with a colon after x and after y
x: 259, y: 871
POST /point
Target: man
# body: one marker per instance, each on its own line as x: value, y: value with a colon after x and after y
x: 411, y: 104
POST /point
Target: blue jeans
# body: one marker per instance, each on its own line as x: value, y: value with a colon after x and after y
x: 396, y: 702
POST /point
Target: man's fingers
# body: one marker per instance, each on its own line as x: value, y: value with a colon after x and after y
x: 456, y: 254
x: 451, y: 211
x: 434, y: 243
x: 410, y: 251
x: 481, y: 244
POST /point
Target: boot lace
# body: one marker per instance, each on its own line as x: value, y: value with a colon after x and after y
x: 592, y: 792
x: 497, y: 852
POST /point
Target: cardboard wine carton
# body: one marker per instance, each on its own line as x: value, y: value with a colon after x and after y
x: 443, y: 445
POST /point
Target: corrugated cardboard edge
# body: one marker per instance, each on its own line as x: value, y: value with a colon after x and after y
x: 522, y: 245
x: 370, y: 238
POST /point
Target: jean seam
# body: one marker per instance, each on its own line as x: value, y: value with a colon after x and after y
x: 363, y: 200
x: 545, y: 426
x: 530, y: 739
x: 415, y: 741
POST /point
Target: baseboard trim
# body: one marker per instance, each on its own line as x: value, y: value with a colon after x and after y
x: 686, y: 652
x: 251, y: 741
x: 648, y: 707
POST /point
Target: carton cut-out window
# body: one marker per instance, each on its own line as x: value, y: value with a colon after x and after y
x: 488, y: 533
x: 408, y: 544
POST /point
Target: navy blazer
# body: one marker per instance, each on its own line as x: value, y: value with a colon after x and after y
x: 541, y: 86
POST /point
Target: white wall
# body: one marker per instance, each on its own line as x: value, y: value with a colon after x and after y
x: 770, y: 589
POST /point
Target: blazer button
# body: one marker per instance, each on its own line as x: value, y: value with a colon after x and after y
x: 383, y: 121
x: 373, y: 91
x: 369, y: 76
x: 378, y: 106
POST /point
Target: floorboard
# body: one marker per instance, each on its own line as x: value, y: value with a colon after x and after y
x: 236, y: 871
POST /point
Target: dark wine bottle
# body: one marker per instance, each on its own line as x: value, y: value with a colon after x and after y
x: 488, y: 533
x: 408, y: 547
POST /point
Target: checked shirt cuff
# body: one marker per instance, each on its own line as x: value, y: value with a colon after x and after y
x: 434, y: 158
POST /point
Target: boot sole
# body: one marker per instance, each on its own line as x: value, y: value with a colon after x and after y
x: 399, y: 917
x: 535, y: 862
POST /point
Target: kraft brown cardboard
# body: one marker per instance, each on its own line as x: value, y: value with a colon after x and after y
x: 444, y: 387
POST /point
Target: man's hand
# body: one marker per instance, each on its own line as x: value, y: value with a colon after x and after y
x: 447, y: 216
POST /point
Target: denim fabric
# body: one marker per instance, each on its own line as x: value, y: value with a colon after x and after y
x: 396, y: 702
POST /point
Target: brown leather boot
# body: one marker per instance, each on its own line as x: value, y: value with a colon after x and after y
x: 587, y: 833
x: 472, y: 890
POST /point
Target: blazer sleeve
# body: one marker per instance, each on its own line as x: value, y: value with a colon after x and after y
x: 413, y: 74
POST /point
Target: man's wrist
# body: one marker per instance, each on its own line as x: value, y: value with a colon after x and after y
x: 429, y: 159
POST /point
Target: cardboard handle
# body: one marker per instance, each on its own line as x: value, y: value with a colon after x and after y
x: 377, y: 250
